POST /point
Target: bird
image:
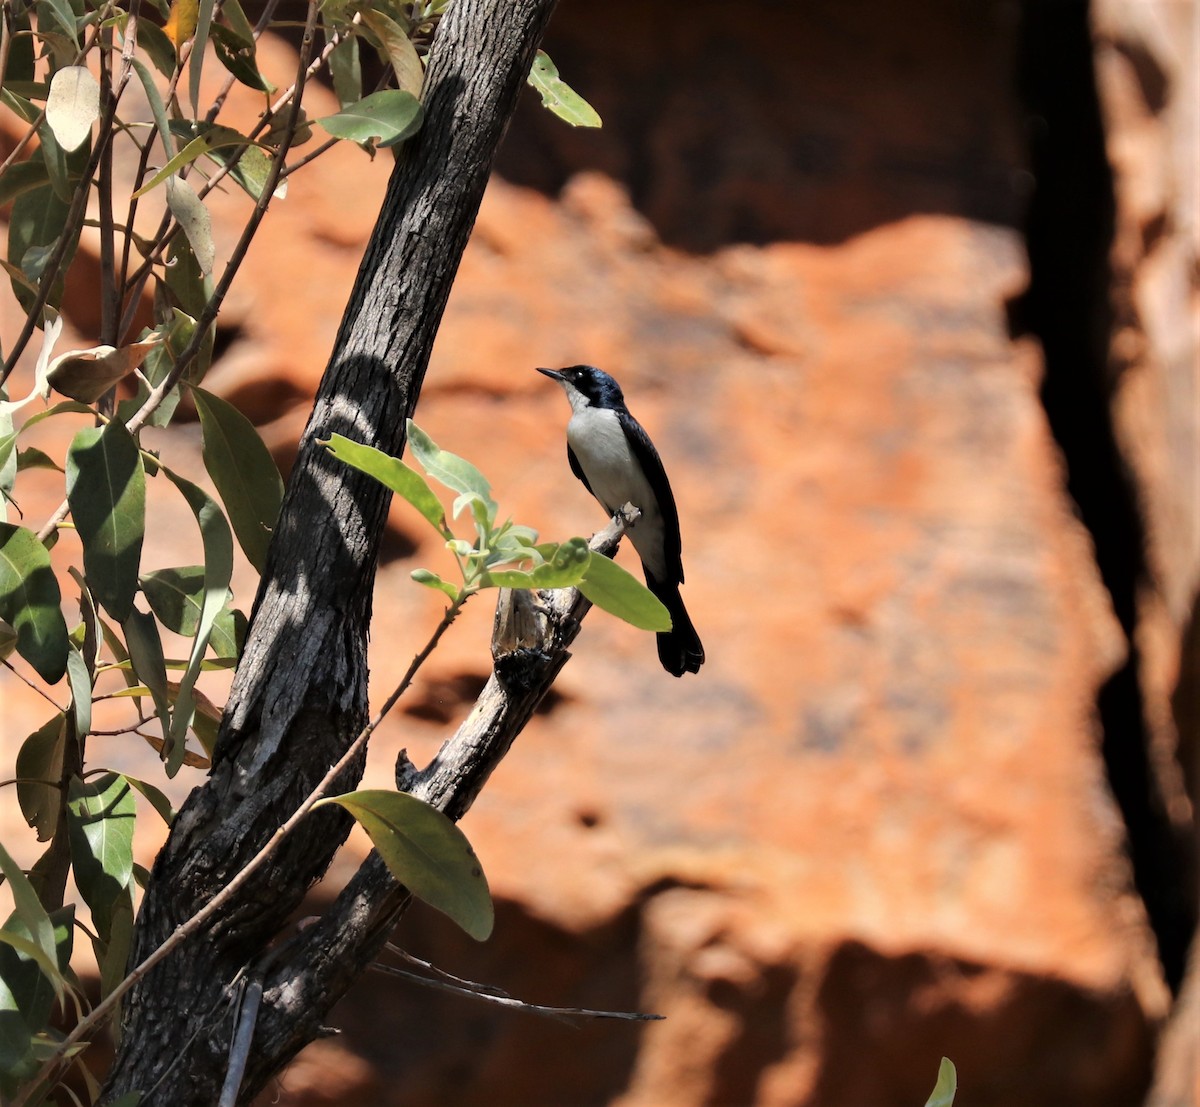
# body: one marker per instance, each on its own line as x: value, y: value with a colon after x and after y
x: 611, y: 453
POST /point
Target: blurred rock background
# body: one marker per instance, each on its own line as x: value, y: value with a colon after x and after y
x: 909, y: 298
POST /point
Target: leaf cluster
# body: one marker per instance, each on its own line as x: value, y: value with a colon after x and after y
x: 145, y: 635
x: 501, y: 555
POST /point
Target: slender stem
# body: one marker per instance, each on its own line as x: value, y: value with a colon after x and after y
x: 215, y: 905
x: 40, y: 691
x: 110, y: 296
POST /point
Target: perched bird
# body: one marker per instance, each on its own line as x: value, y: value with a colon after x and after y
x: 618, y: 464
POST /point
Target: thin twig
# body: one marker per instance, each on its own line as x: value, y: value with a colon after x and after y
x: 40, y: 691
x: 486, y: 993
x: 215, y: 905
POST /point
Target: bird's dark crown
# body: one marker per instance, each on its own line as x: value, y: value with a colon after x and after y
x: 596, y: 385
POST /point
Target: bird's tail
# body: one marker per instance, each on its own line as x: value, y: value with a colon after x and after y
x: 679, y: 649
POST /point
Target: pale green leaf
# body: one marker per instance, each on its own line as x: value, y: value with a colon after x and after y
x: 157, y: 108
x: 346, y: 70
x: 558, y: 96
x: 392, y: 473
x: 432, y: 580
x: 384, y: 118
x: 73, y: 105
x: 449, y: 469
x: 946, y: 1086
x: 112, y: 955
x: 621, y: 594
x: 194, y: 220
x: 563, y: 567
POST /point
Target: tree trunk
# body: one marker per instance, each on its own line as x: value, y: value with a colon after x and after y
x: 300, y: 694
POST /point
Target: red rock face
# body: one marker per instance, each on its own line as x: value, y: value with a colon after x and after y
x: 877, y: 828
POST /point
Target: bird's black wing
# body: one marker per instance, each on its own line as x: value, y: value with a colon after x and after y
x: 647, y: 457
x: 577, y: 469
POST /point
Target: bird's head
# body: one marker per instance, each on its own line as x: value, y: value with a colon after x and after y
x: 586, y: 386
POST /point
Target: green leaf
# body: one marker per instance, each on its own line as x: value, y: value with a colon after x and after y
x: 238, y: 55
x: 150, y: 87
x: 161, y: 360
x: 176, y: 597
x: 194, y: 220
x: 156, y: 798
x: 210, y: 138
x: 112, y: 952
x: 946, y: 1086
x: 346, y: 70
x: 37, y: 219
x: 563, y: 568
x: 64, y: 167
x: 191, y: 289
x: 196, y: 60
x: 432, y: 580
x: 80, y: 682
x: 22, y: 177
x: 449, y: 469
x: 101, y: 813
x: 398, y: 50
x: 621, y: 594
x: 33, y: 921
x: 106, y: 489
x: 29, y: 600
x: 146, y: 658
x: 159, y: 47
x: 40, y: 759
x: 385, y: 118
x: 30, y: 982
x: 427, y: 853
x: 63, y: 16
x: 392, y: 473
x: 33, y: 458
x: 558, y: 96
x: 217, y: 542
x: 244, y: 473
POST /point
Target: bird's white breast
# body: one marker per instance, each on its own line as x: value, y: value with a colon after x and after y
x: 615, y: 477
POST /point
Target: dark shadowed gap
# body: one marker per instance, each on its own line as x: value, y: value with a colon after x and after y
x: 1070, y: 231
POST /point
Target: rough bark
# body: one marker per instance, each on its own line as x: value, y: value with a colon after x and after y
x: 300, y: 695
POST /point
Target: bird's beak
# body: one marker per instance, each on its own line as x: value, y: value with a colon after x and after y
x: 553, y: 374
